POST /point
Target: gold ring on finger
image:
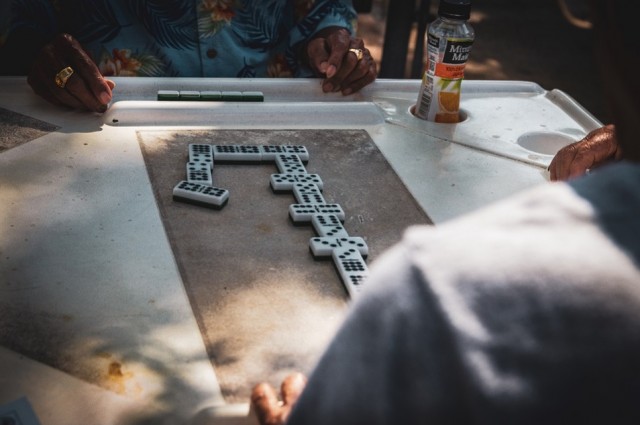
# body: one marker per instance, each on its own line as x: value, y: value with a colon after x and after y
x: 63, y: 76
x: 358, y: 52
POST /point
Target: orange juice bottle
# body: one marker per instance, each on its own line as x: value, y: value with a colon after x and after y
x: 448, y: 40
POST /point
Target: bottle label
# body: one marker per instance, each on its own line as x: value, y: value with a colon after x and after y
x: 457, y: 51
x: 439, y: 98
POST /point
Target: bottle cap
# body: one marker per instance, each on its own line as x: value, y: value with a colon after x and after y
x: 455, y: 9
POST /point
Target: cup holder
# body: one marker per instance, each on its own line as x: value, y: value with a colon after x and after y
x: 462, y: 116
x: 544, y: 142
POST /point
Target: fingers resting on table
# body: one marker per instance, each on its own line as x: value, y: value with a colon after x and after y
x: 84, y: 88
x: 64, y: 74
x: 271, y: 409
x: 595, y: 149
x: 344, y: 61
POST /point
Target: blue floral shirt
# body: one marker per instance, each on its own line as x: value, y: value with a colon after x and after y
x: 186, y: 38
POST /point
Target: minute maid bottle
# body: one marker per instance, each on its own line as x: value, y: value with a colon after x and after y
x: 448, y: 42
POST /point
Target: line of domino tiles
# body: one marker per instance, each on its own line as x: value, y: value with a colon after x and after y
x: 332, y: 240
x: 211, y: 95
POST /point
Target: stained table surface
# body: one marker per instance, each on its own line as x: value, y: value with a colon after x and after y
x: 119, y: 306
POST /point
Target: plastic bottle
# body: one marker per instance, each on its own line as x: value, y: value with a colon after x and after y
x: 448, y: 43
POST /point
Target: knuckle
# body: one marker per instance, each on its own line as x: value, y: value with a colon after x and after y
x: 64, y: 39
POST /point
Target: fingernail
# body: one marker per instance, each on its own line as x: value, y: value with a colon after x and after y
x: 327, y: 88
x: 347, y: 92
x: 105, y: 97
x: 323, y: 67
x: 102, y: 108
x: 331, y: 70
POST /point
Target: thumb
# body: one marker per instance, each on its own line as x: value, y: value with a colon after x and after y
x: 317, y: 52
x: 338, y: 44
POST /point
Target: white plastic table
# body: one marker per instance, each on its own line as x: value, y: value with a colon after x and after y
x: 86, y: 268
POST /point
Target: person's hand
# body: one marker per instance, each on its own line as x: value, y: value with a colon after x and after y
x: 329, y: 55
x: 595, y: 149
x: 86, y: 88
x: 265, y: 404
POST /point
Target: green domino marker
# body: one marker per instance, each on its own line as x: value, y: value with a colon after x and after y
x: 252, y: 96
x: 168, y: 95
x: 211, y: 95
x: 232, y: 96
x: 189, y: 95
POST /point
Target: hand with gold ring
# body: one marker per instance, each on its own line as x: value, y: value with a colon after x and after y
x: 358, y: 52
x: 64, y: 74
x: 344, y: 62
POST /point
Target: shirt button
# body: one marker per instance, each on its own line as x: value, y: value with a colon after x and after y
x: 212, y: 53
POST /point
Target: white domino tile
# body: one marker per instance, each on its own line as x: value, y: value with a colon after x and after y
x: 323, y: 246
x: 202, y: 176
x: 303, y: 213
x: 332, y: 240
x: 285, y: 182
x: 308, y: 193
x: 200, y: 172
x: 198, y: 166
x: 310, y: 198
x: 290, y: 164
x: 352, y: 269
x: 237, y: 153
x: 269, y: 152
x: 328, y: 225
x: 200, y: 194
x: 201, y: 153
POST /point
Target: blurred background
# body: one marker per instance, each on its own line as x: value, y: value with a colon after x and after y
x: 528, y: 40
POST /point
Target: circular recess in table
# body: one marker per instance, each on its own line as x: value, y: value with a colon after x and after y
x: 462, y: 116
x: 544, y: 142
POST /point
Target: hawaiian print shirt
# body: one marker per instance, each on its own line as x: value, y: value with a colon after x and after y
x: 187, y: 38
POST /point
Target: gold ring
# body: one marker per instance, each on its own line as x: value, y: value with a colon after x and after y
x: 63, y: 76
x: 359, y: 53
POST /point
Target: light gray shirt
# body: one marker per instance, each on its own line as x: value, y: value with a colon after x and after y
x: 525, y: 312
